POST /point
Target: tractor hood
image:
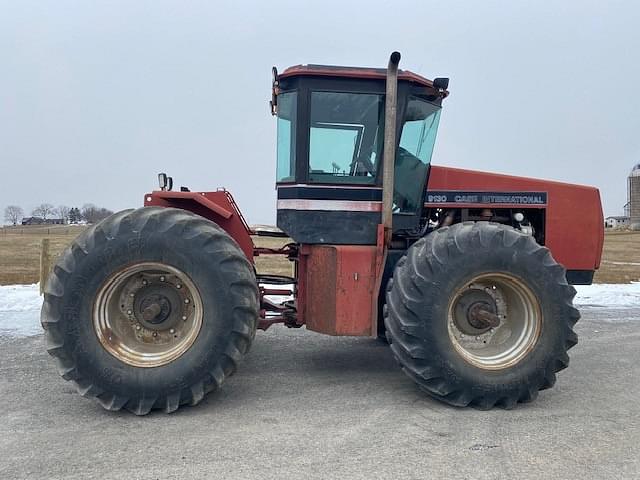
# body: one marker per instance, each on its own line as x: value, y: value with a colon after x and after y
x: 574, y: 223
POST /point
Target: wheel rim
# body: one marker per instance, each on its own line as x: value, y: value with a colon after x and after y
x: 494, y: 321
x: 148, y: 314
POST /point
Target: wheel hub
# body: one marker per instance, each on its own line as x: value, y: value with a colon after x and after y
x: 494, y: 321
x: 476, y: 311
x: 157, y: 307
x: 482, y: 315
x: 148, y: 314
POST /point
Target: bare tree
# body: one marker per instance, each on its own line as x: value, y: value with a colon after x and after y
x: 87, y: 212
x: 63, y: 211
x: 93, y: 214
x: 13, y: 214
x: 44, y: 210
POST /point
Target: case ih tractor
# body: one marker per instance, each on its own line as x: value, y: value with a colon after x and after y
x: 466, y: 274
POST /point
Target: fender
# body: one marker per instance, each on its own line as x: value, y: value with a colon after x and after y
x: 219, y: 207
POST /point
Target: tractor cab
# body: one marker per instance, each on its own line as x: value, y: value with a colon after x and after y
x: 330, y: 150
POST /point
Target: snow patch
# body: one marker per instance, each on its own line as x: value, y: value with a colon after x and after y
x: 608, y: 295
x: 20, y: 304
x: 20, y: 310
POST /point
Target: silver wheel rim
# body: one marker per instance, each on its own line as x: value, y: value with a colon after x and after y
x: 147, y: 314
x: 505, y: 299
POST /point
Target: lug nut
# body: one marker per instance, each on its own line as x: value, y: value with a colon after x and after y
x: 138, y: 327
x: 129, y: 312
x: 155, y: 334
x: 171, y: 330
x: 186, y: 300
x: 184, y: 317
x: 162, y: 279
x: 132, y: 295
x: 178, y: 286
x: 144, y: 282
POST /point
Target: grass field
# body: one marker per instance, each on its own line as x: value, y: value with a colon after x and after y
x: 20, y: 250
x: 20, y: 254
x: 620, y: 259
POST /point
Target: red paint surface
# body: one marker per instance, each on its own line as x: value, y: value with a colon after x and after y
x: 219, y: 207
x: 336, y: 285
x: 574, y: 221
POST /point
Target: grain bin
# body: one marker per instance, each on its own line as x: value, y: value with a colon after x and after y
x: 633, y: 197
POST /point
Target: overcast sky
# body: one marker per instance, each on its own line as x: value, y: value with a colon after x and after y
x: 97, y: 97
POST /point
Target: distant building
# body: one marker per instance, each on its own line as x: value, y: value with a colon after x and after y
x: 633, y: 197
x: 41, y: 221
x: 616, y: 222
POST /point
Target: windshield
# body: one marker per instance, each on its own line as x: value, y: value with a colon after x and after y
x: 414, y: 154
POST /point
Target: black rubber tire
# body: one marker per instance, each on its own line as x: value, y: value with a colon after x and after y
x: 418, y: 298
x: 213, y: 260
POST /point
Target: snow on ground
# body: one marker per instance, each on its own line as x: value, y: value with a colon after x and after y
x: 20, y: 310
x: 608, y: 295
x: 20, y: 304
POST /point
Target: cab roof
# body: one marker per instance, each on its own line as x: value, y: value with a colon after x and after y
x: 352, y: 72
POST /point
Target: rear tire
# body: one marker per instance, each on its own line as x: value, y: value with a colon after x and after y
x: 453, y: 270
x: 115, y: 344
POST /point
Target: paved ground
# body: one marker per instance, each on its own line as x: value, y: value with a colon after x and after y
x: 308, y: 406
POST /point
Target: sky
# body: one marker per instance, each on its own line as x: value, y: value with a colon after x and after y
x: 98, y: 97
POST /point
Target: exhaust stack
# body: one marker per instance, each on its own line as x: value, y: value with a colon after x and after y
x: 389, y: 151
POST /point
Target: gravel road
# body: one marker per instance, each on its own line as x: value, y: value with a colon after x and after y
x: 308, y: 406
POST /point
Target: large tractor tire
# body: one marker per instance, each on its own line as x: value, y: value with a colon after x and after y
x: 480, y: 314
x: 151, y: 308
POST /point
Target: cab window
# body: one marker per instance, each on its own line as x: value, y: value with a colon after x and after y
x: 345, y: 138
x: 418, y: 138
x: 286, y: 140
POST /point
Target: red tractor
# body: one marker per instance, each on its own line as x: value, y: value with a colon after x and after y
x: 468, y: 275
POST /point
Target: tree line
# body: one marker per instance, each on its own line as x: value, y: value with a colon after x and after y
x: 89, y: 213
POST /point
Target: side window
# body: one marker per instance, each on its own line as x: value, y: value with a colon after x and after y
x: 420, y: 128
x: 344, y: 139
x: 286, y: 144
x: 414, y: 154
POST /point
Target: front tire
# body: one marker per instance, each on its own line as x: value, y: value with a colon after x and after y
x: 480, y: 314
x: 151, y: 308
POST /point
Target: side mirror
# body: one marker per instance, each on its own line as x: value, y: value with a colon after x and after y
x: 275, y: 89
x: 441, y: 83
